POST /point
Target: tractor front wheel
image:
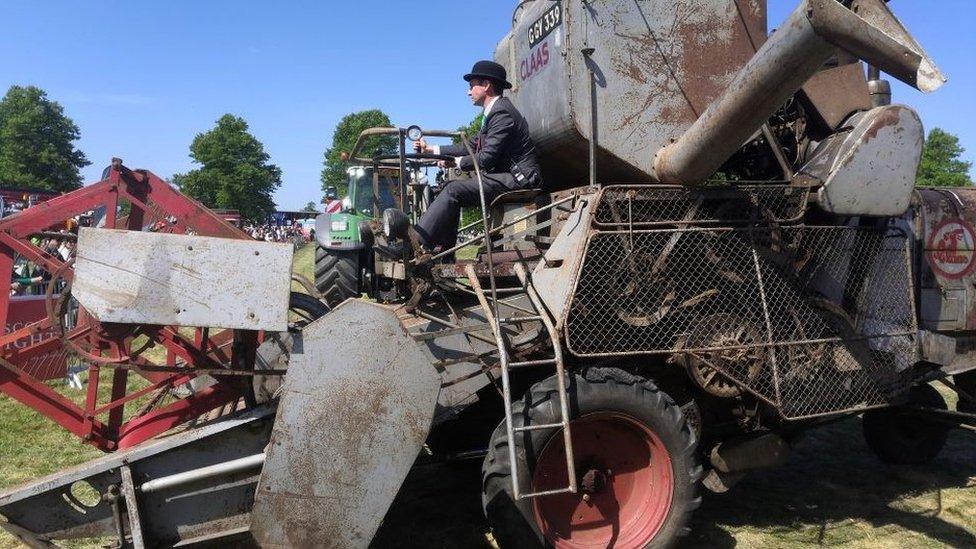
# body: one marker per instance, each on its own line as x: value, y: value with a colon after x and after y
x: 903, y: 436
x: 274, y: 353
x: 337, y: 274
x: 636, y: 466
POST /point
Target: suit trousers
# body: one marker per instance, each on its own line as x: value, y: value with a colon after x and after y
x: 439, y: 224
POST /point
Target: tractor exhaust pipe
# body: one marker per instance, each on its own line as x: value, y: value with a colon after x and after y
x: 794, y: 53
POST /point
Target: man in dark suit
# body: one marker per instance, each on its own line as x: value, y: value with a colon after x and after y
x: 503, y: 149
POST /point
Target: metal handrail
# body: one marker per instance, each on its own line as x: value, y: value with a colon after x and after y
x: 496, y: 325
x: 372, y: 132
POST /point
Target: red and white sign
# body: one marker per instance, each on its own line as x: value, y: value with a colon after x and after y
x: 333, y: 206
x: 42, y: 364
x: 950, y: 248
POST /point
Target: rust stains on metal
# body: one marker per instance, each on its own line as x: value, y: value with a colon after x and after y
x: 706, y: 69
x: 346, y: 434
x: 888, y: 117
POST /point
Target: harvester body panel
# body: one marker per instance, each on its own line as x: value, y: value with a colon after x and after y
x: 137, y: 277
x: 872, y: 170
x: 346, y: 434
x: 658, y: 65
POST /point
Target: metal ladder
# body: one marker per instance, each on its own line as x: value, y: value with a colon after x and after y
x: 496, y: 323
x: 490, y: 305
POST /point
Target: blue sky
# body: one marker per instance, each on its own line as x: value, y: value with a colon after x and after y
x: 141, y: 79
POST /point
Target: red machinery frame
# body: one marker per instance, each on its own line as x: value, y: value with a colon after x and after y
x: 152, y: 205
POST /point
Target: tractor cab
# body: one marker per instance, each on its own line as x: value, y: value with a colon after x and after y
x: 370, y: 190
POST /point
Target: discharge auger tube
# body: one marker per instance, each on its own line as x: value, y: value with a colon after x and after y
x: 791, y: 55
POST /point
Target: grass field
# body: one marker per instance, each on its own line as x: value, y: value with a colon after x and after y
x: 832, y: 493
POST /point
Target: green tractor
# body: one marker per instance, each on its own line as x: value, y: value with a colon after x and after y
x: 345, y: 264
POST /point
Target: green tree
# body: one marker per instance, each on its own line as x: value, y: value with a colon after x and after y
x: 941, y: 166
x: 470, y: 215
x: 472, y: 128
x: 343, y: 140
x: 310, y: 207
x: 37, y: 142
x: 234, y: 173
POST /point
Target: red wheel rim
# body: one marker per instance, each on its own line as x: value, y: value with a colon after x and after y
x: 624, y: 471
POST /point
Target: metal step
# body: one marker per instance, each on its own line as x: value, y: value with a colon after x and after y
x: 539, y: 427
x: 528, y: 363
x: 518, y: 319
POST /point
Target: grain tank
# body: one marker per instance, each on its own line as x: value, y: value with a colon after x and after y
x: 704, y: 72
x: 656, y: 67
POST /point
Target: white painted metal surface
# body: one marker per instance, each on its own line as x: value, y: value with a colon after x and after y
x: 152, y: 278
x: 356, y: 408
x: 874, y: 172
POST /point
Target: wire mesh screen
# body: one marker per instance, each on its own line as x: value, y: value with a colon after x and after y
x: 812, y: 320
x: 647, y: 206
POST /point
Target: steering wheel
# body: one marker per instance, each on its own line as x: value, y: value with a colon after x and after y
x: 428, y: 156
x: 419, y: 158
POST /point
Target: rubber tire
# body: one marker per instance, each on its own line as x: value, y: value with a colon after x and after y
x: 599, y: 389
x: 900, y: 437
x: 336, y: 274
x: 314, y: 308
x: 967, y: 383
x: 274, y: 352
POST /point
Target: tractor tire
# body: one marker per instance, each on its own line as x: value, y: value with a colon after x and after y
x: 902, y: 437
x: 967, y: 384
x: 336, y: 274
x: 274, y: 352
x: 636, y: 459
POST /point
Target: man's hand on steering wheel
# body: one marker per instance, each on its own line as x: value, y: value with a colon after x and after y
x: 420, y: 146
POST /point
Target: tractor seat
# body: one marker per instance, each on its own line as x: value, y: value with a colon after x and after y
x: 522, y: 196
x: 514, y: 205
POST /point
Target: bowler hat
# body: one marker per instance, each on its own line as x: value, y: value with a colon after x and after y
x: 490, y: 70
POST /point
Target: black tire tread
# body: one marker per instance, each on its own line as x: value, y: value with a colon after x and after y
x: 336, y: 274
x: 263, y: 388
x: 885, y: 430
x: 967, y: 384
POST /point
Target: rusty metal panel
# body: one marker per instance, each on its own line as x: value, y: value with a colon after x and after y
x: 553, y: 277
x: 137, y: 277
x: 838, y: 92
x: 347, y: 432
x: 658, y: 64
x: 872, y: 172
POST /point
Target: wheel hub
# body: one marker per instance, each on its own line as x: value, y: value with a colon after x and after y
x: 593, y: 482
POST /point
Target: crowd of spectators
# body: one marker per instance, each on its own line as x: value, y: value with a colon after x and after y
x: 28, y: 277
x: 293, y: 233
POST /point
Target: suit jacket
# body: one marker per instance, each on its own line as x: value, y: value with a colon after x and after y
x: 504, y: 150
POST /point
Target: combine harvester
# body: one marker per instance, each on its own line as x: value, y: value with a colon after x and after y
x: 766, y: 267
